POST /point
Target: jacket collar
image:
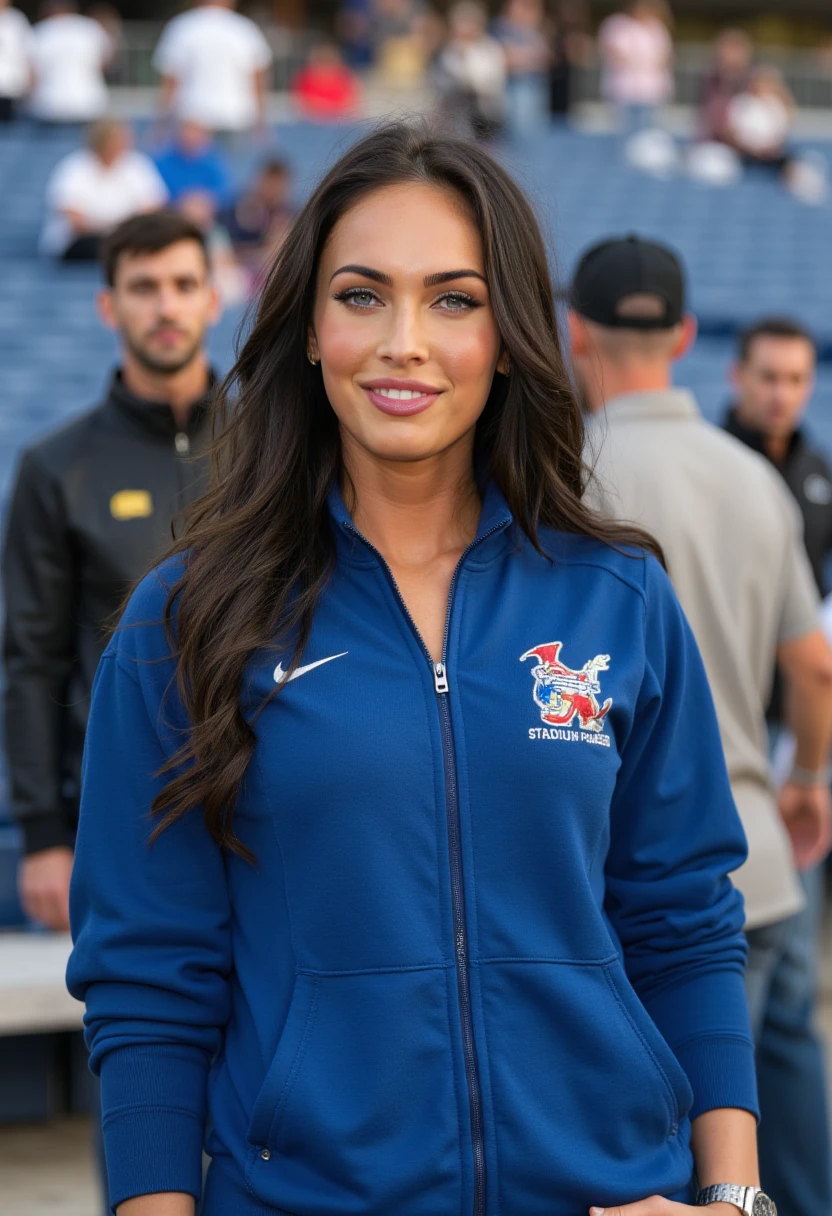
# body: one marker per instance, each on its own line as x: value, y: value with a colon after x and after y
x: 156, y: 417
x: 755, y: 439
x: 666, y: 403
x: 495, y: 520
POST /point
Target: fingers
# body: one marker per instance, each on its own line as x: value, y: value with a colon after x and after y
x: 43, y: 884
x: 655, y: 1205
x: 50, y: 909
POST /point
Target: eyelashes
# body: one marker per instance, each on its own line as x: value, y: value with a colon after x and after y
x: 460, y: 300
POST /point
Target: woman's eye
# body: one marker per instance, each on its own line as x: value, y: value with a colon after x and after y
x: 361, y: 297
x: 456, y: 301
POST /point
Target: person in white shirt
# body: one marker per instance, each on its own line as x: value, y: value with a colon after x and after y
x: 95, y: 188
x: 69, y: 54
x: 637, y: 60
x: 759, y: 120
x: 471, y: 74
x: 15, y: 36
x: 214, y: 67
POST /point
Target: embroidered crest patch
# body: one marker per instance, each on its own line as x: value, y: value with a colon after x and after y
x: 563, y: 694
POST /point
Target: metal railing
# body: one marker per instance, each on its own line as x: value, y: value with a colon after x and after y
x: 807, y: 77
x: 810, y: 83
x: 133, y: 66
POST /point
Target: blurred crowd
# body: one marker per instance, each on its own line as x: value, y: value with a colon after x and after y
x: 488, y: 76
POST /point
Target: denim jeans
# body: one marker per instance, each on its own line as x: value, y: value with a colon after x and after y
x: 98, y: 1146
x: 781, y: 983
x: 526, y: 96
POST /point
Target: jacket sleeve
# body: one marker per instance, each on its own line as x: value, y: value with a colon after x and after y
x: 38, y: 649
x: 675, y: 837
x: 151, y: 931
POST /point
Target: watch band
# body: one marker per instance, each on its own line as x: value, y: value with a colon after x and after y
x: 810, y: 777
x: 726, y: 1192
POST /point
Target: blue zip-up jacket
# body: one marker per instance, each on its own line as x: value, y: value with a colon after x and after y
x: 488, y: 962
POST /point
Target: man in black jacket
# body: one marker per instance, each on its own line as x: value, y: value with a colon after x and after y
x: 91, y: 511
x: 773, y: 379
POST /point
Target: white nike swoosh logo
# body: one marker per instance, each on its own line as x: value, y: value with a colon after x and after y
x: 280, y: 675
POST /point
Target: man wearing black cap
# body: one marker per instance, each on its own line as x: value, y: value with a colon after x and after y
x: 732, y: 538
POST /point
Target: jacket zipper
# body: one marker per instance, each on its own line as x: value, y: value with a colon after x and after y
x: 442, y: 689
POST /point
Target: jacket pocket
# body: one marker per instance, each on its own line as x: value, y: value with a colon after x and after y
x: 587, y: 1096
x: 358, y: 1110
x: 677, y: 1086
x: 288, y: 1059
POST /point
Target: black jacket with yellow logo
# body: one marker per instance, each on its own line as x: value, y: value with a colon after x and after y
x: 91, y: 511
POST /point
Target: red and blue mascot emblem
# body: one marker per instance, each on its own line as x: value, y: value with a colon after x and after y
x: 562, y: 694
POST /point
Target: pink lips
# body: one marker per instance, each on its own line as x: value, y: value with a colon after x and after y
x: 395, y: 405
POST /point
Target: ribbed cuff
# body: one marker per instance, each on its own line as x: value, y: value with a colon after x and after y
x: 152, y: 1150
x: 721, y: 1073
x: 153, y: 1119
x: 46, y: 830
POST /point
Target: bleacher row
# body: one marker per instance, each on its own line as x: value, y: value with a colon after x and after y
x: 749, y: 249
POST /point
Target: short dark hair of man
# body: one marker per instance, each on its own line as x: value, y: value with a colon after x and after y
x: 772, y: 327
x: 150, y: 232
x: 275, y: 167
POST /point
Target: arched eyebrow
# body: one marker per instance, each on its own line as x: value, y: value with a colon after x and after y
x: 431, y: 280
x: 448, y: 276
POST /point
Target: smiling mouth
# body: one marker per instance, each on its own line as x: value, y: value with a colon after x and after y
x: 401, y: 402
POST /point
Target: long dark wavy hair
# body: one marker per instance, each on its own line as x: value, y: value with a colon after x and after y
x: 258, y: 544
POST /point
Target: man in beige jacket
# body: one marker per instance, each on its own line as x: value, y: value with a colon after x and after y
x: 732, y: 539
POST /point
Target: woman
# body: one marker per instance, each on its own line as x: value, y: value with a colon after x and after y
x: 636, y: 52
x: 454, y: 759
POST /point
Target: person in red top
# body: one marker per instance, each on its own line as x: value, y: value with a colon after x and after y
x: 326, y: 88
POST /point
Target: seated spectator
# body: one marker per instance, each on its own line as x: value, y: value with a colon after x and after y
x: 69, y: 56
x: 191, y: 163
x: 258, y: 220
x: 230, y: 279
x: 727, y: 79
x: 637, y: 60
x: 471, y: 74
x: 758, y: 121
x: 354, y: 28
x: 570, y: 47
x: 519, y: 30
x: 326, y: 88
x: 95, y: 188
x: 400, y: 46
x: 15, y: 48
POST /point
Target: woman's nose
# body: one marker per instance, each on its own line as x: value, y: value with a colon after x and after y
x: 405, y: 339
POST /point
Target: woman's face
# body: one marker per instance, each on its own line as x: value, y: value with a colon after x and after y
x: 403, y: 324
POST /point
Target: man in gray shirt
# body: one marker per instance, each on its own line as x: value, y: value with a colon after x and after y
x: 733, y: 542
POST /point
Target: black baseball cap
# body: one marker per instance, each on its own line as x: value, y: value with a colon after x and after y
x: 627, y: 266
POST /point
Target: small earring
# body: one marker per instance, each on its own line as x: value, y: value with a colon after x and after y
x: 312, y: 358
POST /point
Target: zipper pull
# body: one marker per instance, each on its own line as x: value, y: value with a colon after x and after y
x: 440, y: 678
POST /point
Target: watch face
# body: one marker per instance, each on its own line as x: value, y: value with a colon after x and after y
x: 763, y: 1206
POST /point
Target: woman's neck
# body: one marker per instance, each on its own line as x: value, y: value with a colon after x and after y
x: 413, y: 511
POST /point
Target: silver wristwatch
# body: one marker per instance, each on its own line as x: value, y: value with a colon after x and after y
x: 749, y: 1199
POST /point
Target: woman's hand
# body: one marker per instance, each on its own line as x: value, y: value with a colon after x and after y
x: 657, y: 1206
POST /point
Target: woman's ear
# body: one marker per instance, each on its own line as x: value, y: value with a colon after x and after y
x: 312, y: 352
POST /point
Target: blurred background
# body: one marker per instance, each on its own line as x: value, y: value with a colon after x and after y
x: 708, y: 127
